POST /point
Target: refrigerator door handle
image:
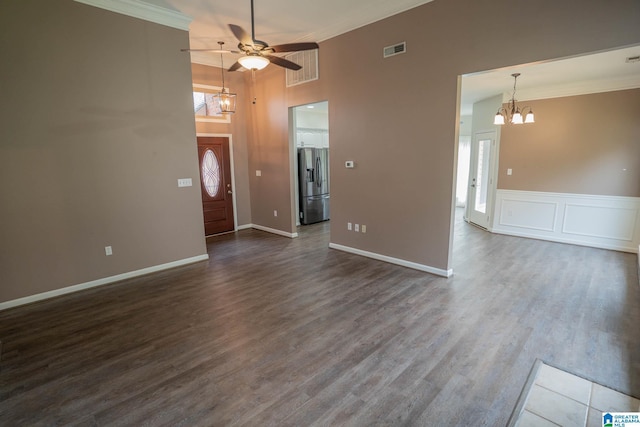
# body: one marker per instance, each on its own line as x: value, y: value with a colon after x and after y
x: 319, y: 173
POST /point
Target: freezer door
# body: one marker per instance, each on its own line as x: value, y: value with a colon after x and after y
x: 315, y: 209
x: 306, y: 172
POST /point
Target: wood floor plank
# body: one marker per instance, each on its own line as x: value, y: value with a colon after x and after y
x: 276, y: 331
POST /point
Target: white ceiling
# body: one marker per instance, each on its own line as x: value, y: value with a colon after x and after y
x: 288, y: 21
x: 277, y: 21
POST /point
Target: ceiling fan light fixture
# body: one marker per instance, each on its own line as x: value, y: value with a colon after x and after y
x: 253, y: 62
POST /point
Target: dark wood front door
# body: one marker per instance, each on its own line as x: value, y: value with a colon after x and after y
x: 215, y: 183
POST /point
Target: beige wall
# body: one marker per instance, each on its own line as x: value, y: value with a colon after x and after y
x: 588, y: 144
x: 206, y: 75
x: 396, y: 118
x: 96, y: 128
x: 90, y: 153
x: 269, y: 145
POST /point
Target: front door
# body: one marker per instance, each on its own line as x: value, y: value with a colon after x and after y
x: 479, y: 197
x: 215, y: 183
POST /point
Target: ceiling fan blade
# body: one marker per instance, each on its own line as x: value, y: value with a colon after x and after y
x: 241, y: 35
x: 210, y: 50
x: 283, y: 62
x: 294, y: 47
x: 235, y: 67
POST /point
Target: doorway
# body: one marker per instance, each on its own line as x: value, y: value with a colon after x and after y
x: 480, y: 194
x: 214, y: 160
x: 309, y: 128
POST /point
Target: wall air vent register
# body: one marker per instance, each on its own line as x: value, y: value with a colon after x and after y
x: 394, y: 50
x: 308, y: 59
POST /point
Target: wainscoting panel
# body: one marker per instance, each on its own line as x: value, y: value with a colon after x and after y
x: 597, y: 221
x: 534, y: 215
x: 607, y: 222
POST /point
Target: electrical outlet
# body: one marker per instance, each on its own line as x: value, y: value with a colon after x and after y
x: 364, y: 228
x: 356, y: 228
x: 349, y: 226
x: 275, y: 213
x: 108, y: 251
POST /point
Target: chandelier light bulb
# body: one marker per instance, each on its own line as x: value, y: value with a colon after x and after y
x: 517, y: 118
x: 529, y: 117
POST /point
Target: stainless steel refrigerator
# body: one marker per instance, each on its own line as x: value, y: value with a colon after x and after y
x: 313, y: 180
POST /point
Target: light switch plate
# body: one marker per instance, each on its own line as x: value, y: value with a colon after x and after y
x: 348, y: 164
x: 258, y: 173
x: 185, y: 182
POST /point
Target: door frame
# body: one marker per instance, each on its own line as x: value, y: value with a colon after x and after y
x: 293, y: 165
x: 293, y: 161
x: 493, y: 174
x: 233, y: 172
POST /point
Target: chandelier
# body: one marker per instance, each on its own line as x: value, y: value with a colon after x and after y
x: 225, y: 102
x: 513, y: 113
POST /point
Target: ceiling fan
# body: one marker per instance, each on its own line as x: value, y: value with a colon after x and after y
x: 257, y: 53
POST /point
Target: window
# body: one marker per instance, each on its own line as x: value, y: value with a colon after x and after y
x: 204, y: 105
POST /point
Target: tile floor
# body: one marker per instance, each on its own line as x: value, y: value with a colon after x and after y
x: 558, y: 398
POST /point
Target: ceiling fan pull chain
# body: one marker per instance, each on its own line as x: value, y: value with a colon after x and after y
x: 253, y: 82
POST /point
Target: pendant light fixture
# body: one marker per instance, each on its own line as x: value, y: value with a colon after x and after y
x: 224, y: 101
x: 513, y: 114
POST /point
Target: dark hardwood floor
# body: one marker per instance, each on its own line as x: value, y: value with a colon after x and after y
x: 286, y: 332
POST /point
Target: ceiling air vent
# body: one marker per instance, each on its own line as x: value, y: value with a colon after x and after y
x: 308, y: 59
x: 396, y: 49
x: 633, y: 59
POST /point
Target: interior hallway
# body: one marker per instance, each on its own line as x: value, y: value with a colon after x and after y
x: 277, y: 331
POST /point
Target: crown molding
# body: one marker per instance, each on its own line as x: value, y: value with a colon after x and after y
x: 145, y: 11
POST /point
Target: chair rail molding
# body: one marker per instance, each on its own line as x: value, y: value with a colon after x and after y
x: 607, y: 222
x: 145, y: 11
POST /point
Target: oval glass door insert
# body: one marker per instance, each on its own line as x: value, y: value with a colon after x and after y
x: 211, y: 173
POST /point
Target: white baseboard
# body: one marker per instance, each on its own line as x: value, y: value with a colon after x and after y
x: 397, y: 261
x: 274, y: 231
x: 104, y: 281
x: 244, y: 227
x: 606, y: 222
